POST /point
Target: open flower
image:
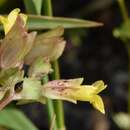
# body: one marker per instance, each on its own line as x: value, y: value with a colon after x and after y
x: 72, y: 90
x: 9, y: 21
x: 48, y: 45
x: 16, y: 44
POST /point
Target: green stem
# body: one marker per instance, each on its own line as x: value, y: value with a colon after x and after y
x: 123, y: 10
x: 125, y: 16
x: 56, y: 74
x: 47, y: 7
x: 50, y: 107
x: 128, y: 79
x: 58, y: 105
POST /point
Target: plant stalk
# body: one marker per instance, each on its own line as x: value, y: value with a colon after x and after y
x: 125, y: 16
x: 128, y: 79
x: 50, y: 107
x: 47, y: 7
x: 58, y: 105
x: 123, y: 10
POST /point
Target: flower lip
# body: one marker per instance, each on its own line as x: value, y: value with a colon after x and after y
x: 72, y: 90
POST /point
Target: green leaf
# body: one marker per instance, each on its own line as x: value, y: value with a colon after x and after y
x: 15, y: 119
x: 47, y: 22
x: 33, y: 6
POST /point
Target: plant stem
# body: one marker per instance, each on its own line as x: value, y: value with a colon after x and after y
x: 125, y: 16
x: 47, y: 7
x: 128, y: 79
x: 58, y: 104
x: 56, y: 75
x: 123, y: 10
x: 50, y: 107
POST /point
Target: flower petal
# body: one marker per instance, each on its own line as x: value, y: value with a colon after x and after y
x: 71, y: 90
x: 97, y: 103
x: 57, y: 32
x: 11, y: 18
x: 48, y: 45
x: 99, y: 86
x: 16, y: 44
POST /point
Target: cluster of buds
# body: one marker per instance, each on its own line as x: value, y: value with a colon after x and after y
x: 19, y: 48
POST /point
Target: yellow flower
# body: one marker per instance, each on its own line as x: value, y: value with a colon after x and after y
x: 9, y: 21
x: 72, y: 90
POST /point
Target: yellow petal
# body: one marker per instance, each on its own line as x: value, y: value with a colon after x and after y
x: 9, y: 21
x: 99, y: 85
x: 71, y: 90
x: 97, y: 103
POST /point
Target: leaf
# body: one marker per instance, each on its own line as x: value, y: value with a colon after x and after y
x: 33, y: 6
x: 15, y: 119
x: 46, y: 22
